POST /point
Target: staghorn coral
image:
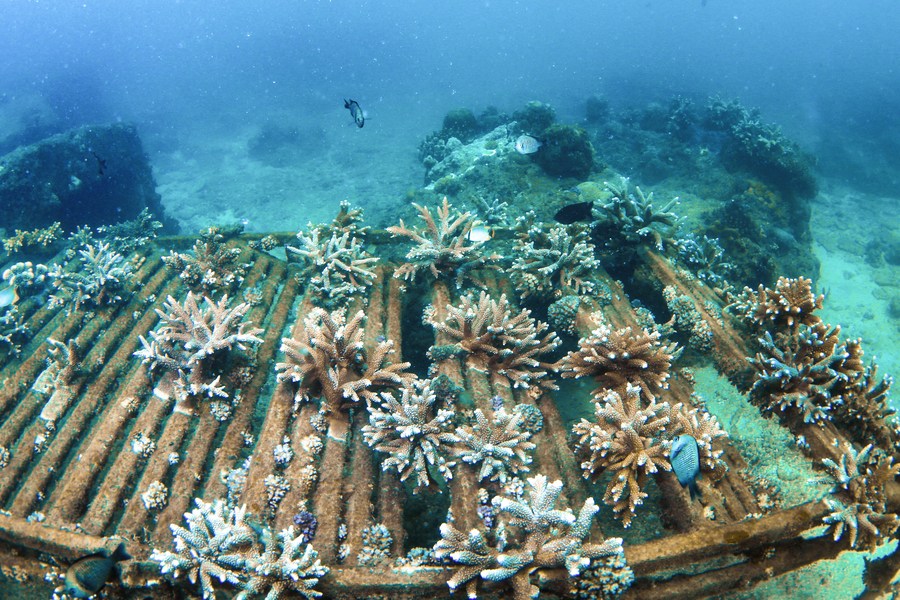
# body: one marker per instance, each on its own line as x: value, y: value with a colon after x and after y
x: 620, y: 358
x: 553, y: 263
x: 27, y: 278
x: 497, y: 341
x: 627, y: 439
x: 98, y: 280
x: 442, y: 247
x: 330, y: 359
x: 543, y: 536
x: 13, y: 332
x: 804, y: 371
x: 219, y: 544
x: 128, y: 236
x: 705, y: 257
x: 412, y: 433
x: 499, y: 444
x: 792, y: 303
x: 213, y: 265
x: 866, y: 410
x: 287, y: 567
x: 630, y: 219
x: 860, y: 501
x: 57, y: 380
x: 337, y: 267
x: 34, y: 240
x: 195, y: 344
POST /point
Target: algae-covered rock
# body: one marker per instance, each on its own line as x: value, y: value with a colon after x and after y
x: 535, y: 118
x: 461, y: 124
x: 92, y: 175
x: 566, y: 151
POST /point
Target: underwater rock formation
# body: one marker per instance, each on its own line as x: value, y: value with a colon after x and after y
x: 79, y: 177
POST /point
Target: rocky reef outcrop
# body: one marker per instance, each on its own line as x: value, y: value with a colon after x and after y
x: 92, y: 175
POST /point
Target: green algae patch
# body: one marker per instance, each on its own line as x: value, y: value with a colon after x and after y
x: 770, y: 450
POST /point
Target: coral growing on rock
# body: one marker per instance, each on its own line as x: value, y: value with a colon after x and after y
x: 330, y: 359
x: 542, y: 537
x: 617, y: 359
x: 412, y: 431
x: 627, y: 439
x: 36, y: 239
x: 193, y: 344
x: 553, y: 263
x: 442, y: 246
x: 499, y: 342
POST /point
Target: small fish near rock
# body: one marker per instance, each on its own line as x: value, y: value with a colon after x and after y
x: 356, y: 112
x: 525, y: 144
x: 87, y: 575
x: 685, y: 459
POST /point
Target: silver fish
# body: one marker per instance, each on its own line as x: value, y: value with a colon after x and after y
x: 87, y: 575
x: 525, y: 144
x: 8, y: 296
x: 356, y: 112
x: 685, y: 459
x: 480, y: 233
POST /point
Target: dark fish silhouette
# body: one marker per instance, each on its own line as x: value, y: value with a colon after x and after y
x: 101, y: 164
x: 87, y: 575
x: 355, y: 111
x: 580, y: 211
x: 685, y: 459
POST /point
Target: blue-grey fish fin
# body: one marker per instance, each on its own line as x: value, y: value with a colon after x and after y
x: 120, y: 553
x: 694, y: 490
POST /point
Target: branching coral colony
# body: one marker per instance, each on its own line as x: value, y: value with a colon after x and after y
x: 531, y: 534
x: 554, y: 263
x: 330, y: 360
x: 197, y: 346
x: 497, y: 341
x: 212, y: 267
x: 219, y: 548
x: 442, y: 247
x: 803, y: 369
x: 335, y: 264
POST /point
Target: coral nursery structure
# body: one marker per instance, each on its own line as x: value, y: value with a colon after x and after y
x: 414, y: 443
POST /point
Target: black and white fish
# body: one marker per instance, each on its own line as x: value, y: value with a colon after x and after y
x: 87, y: 575
x: 356, y: 112
x: 685, y: 459
x: 525, y: 144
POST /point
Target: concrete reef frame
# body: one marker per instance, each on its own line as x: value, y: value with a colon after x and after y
x: 86, y: 482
